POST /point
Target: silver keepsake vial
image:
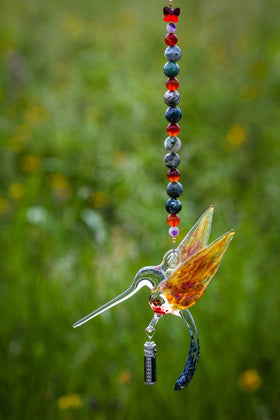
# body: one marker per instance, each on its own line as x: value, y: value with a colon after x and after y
x: 150, y: 376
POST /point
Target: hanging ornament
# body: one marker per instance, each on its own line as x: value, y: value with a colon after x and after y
x: 185, y: 272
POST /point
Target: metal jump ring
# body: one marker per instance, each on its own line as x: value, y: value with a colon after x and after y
x: 150, y: 332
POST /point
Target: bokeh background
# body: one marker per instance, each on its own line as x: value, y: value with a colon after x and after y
x: 82, y: 206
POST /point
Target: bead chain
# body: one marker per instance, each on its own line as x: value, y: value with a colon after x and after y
x: 173, y: 114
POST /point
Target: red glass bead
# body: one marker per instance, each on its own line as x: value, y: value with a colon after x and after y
x: 174, y: 18
x: 167, y: 18
x: 173, y: 129
x: 173, y: 220
x: 173, y: 175
x: 172, y: 83
x: 171, y: 18
x: 171, y: 40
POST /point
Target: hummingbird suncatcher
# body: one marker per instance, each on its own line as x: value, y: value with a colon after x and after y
x: 185, y: 272
x: 178, y: 283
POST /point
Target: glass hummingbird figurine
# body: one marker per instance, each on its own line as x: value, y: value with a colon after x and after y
x: 177, y: 283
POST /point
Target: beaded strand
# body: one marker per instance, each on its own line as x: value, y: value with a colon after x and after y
x: 173, y: 115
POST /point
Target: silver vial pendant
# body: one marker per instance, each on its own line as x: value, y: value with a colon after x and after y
x: 150, y: 375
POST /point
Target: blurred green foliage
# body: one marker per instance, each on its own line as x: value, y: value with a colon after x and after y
x: 82, y: 206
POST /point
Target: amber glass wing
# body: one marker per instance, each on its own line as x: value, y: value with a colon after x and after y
x: 187, y: 284
x: 198, y: 236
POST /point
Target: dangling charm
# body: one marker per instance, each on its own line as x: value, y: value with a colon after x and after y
x: 150, y: 372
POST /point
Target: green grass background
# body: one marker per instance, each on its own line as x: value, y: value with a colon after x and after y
x: 82, y: 205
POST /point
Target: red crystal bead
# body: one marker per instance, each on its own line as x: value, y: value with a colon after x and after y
x: 173, y: 175
x: 171, y: 40
x: 172, y: 83
x: 167, y: 18
x: 171, y: 18
x: 173, y: 129
x: 173, y: 220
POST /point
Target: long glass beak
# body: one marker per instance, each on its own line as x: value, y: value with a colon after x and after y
x: 147, y: 276
x: 123, y: 296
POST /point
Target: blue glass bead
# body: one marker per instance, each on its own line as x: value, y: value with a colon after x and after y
x: 173, y: 53
x: 173, y: 115
x: 171, y: 98
x: 171, y: 69
x: 173, y: 206
x: 174, y: 189
x: 172, y: 160
x: 171, y: 27
x: 172, y: 144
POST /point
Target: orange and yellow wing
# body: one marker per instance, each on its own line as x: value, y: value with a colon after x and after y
x: 188, y: 283
x: 197, y: 238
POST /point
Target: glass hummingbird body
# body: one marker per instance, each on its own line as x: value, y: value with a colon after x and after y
x: 178, y: 282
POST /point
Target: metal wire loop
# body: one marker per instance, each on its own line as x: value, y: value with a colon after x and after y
x: 150, y: 332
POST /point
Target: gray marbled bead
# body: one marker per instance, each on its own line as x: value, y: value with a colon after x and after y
x: 173, y: 53
x: 173, y: 206
x: 174, y: 189
x: 173, y: 114
x: 172, y: 160
x: 172, y: 144
x: 171, y: 98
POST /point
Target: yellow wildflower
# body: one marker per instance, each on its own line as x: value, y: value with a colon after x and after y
x: 250, y: 93
x: 237, y: 135
x: 22, y: 133
x: 69, y: 401
x: 126, y: 17
x: 4, y: 206
x: 16, y: 190
x: 72, y: 25
x: 125, y: 377
x: 30, y: 163
x: 7, y: 45
x: 258, y: 69
x: 249, y: 381
x: 98, y: 199
x: 34, y: 113
x: 16, y: 144
x: 59, y: 182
